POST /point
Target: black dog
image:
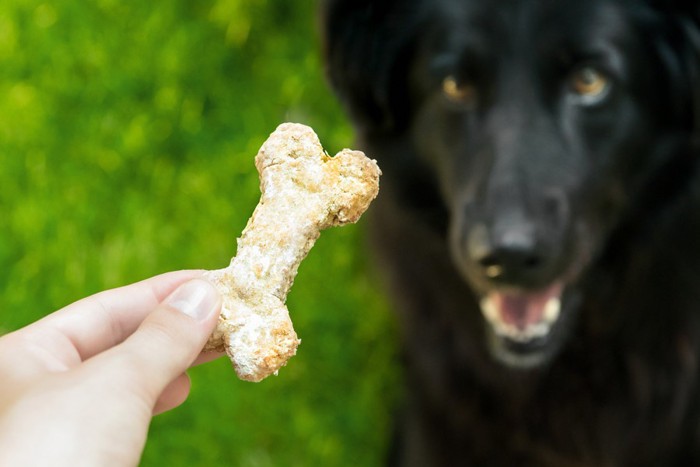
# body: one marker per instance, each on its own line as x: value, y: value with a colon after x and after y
x: 539, y: 220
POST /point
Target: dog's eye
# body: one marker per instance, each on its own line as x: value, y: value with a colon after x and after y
x: 589, y: 83
x: 461, y: 93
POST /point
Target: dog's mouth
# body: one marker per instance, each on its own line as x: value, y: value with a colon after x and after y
x: 522, y: 322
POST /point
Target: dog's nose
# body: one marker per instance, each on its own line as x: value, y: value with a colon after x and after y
x: 512, y: 255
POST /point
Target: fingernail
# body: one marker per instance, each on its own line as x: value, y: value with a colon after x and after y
x: 196, y: 298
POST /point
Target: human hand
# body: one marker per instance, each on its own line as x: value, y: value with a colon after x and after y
x: 80, y: 386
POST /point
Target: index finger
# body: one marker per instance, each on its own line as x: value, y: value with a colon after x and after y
x: 105, y: 319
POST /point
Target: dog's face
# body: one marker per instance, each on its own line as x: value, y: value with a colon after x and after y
x: 544, y: 123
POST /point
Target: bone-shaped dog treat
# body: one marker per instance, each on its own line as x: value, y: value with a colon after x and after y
x: 303, y: 192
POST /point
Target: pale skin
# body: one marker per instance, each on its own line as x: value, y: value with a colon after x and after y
x: 80, y: 386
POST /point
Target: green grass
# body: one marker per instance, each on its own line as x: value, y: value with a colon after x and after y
x: 127, y: 136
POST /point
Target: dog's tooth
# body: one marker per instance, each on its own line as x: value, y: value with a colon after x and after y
x: 505, y: 330
x: 531, y: 332
x: 552, y: 309
x: 540, y: 329
x: 490, y: 310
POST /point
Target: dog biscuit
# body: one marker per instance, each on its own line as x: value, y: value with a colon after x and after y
x: 303, y: 192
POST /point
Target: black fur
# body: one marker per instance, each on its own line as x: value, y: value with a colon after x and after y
x: 524, y: 184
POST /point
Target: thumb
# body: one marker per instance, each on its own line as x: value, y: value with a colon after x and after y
x: 167, y: 342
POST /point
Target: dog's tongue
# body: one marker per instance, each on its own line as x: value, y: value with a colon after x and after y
x: 523, y: 309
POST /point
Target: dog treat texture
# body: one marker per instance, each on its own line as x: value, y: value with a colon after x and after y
x: 303, y: 192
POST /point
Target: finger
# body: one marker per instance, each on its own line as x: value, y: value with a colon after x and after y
x: 174, y: 394
x: 103, y: 320
x: 167, y: 342
x: 206, y: 357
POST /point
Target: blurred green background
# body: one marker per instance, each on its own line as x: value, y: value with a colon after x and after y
x: 127, y: 135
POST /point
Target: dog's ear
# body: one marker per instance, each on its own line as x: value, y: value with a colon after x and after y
x: 680, y: 52
x: 687, y: 13
x: 367, y: 46
x: 692, y: 32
